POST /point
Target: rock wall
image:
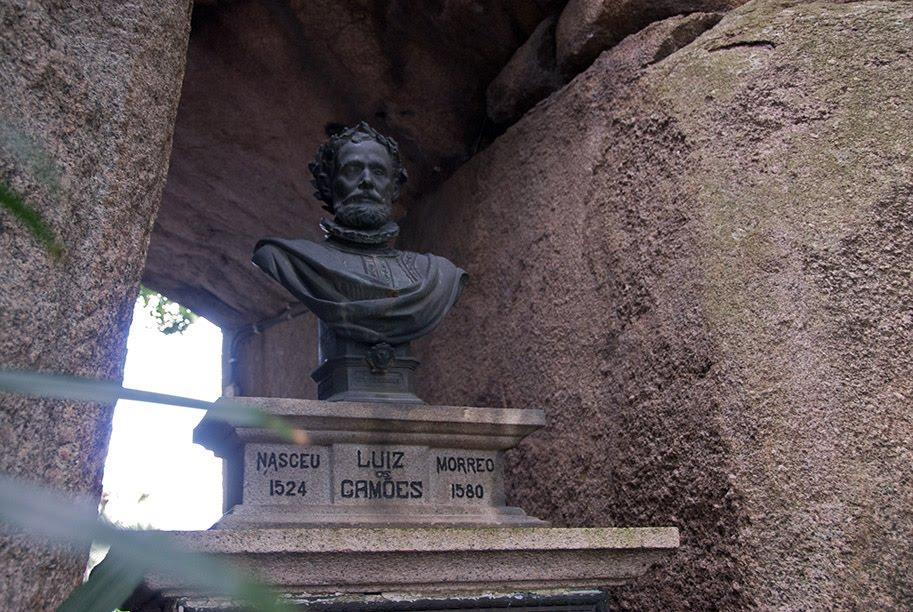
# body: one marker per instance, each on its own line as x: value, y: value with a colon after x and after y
x: 589, y: 27
x: 92, y: 88
x: 700, y: 268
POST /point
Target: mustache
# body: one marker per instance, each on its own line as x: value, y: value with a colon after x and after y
x: 361, y: 196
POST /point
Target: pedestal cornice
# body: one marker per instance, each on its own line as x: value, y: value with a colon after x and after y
x: 303, y: 562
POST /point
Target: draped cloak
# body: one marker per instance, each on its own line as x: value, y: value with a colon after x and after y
x: 366, y: 295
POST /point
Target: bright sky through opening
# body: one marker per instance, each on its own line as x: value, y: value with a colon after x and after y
x: 155, y: 476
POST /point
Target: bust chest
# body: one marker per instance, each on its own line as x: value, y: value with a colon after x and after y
x: 375, y: 275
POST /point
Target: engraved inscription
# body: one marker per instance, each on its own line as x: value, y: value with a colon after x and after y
x: 289, y: 488
x: 468, y: 491
x: 379, y: 459
x: 382, y: 488
x: 286, y: 474
x: 390, y: 380
x: 464, y: 465
x: 380, y: 473
x: 274, y: 461
x: 466, y: 477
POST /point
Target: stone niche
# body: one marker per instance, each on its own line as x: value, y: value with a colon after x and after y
x: 266, y: 81
x: 694, y: 256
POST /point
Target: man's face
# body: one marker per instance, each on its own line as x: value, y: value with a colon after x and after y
x: 363, y: 186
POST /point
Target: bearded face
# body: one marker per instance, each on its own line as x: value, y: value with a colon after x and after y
x: 363, y: 186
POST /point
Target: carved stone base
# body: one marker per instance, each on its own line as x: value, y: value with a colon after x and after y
x: 322, y: 522
x: 370, y: 464
x: 363, y: 568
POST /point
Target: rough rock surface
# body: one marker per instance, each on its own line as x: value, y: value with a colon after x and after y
x: 589, y: 27
x: 703, y: 274
x: 94, y: 88
x: 266, y: 81
x: 656, y: 42
x: 276, y: 362
x: 529, y: 76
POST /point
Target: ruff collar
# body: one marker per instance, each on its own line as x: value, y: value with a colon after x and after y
x: 382, y: 235
x: 379, y: 236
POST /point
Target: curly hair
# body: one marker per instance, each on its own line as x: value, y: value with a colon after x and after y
x: 324, y: 165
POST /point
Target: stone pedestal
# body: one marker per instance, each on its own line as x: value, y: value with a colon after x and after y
x: 422, y: 568
x: 370, y: 464
x: 395, y: 507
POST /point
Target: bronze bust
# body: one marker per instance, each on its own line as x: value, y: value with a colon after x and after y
x: 371, y: 299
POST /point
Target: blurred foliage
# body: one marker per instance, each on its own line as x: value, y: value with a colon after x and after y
x: 31, y: 219
x: 63, y: 519
x: 59, y: 519
x: 78, y: 388
x: 100, y: 549
x: 169, y: 316
x: 36, y: 163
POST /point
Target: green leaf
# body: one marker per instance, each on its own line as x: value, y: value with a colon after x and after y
x: 169, y: 316
x: 59, y: 386
x: 36, y: 162
x: 42, y: 512
x: 31, y: 219
x: 108, y: 587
